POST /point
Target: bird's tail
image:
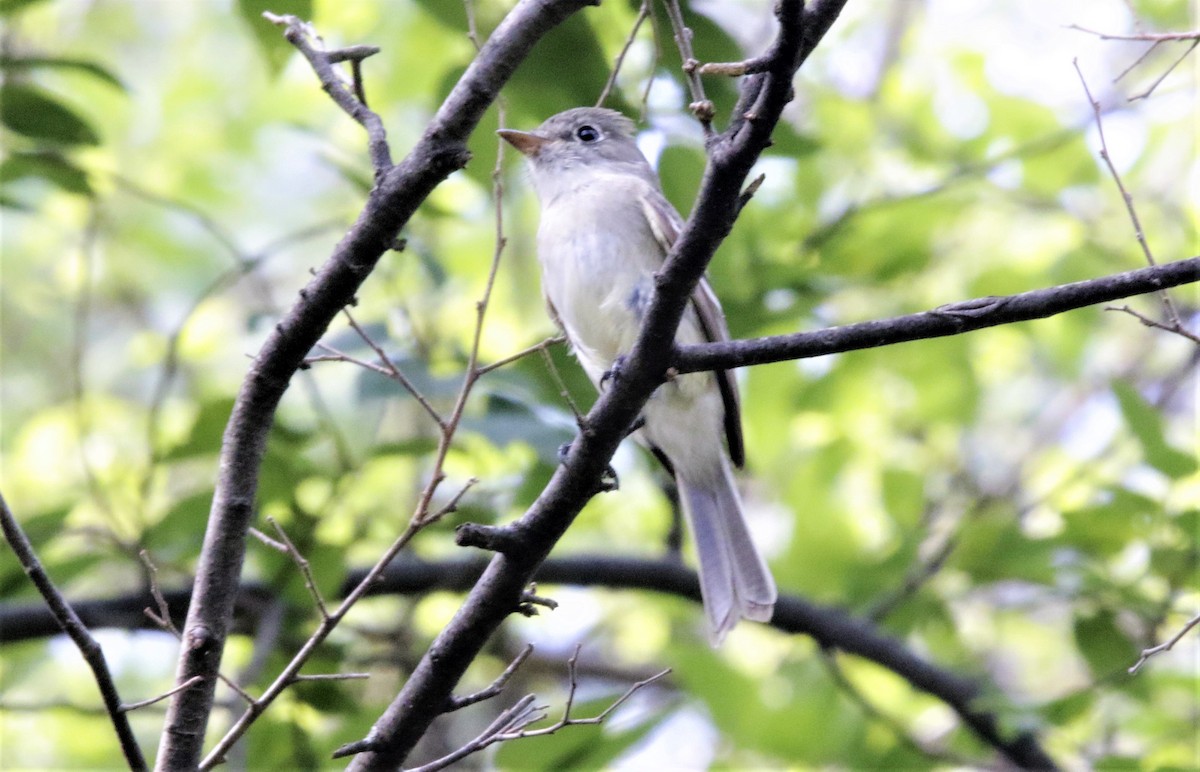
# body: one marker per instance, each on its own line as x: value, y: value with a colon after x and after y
x: 734, y: 580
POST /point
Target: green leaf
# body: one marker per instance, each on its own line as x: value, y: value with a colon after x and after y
x: 34, y: 113
x: 993, y: 548
x: 9, y: 7
x: 175, y: 536
x: 1107, y: 528
x: 1146, y: 423
x: 904, y: 496
x: 48, y: 165
x: 16, y: 64
x: 275, y: 50
x: 207, y: 430
x: 1106, y: 649
x: 510, y: 418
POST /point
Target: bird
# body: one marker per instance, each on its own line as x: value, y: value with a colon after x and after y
x: 605, y: 229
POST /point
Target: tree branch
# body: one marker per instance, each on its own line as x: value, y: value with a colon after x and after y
x: 953, y: 319
x: 68, y: 621
x: 830, y: 626
x: 399, y: 190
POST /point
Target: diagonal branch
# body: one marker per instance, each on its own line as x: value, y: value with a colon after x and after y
x: 399, y: 190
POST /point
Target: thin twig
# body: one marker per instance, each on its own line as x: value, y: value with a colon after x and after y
x: 511, y: 724
x: 78, y: 633
x: 700, y: 106
x: 643, y: 12
x: 1147, y: 321
x: 390, y: 369
x: 130, y: 706
x: 496, y: 686
x: 451, y: 505
x: 163, y: 617
x: 1139, y: 232
x: 298, y: 33
x: 334, y: 677
x: 1158, y: 81
x: 563, y: 391
x: 644, y: 107
x: 1150, y: 37
x: 1159, y: 649
x: 301, y: 563
x: 545, y: 344
x: 291, y: 671
x: 567, y: 720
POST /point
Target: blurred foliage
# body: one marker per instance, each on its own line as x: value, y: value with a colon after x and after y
x: 1020, y: 505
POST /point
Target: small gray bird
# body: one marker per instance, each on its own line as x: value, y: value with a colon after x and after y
x: 605, y: 230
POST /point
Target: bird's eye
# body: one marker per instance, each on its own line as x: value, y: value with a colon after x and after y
x: 587, y: 133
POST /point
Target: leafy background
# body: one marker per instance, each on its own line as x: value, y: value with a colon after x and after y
x: 1019, y: 505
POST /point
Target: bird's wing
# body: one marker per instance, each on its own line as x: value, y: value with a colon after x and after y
x: 666, y: 224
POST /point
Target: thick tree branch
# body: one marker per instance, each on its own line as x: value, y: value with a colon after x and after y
x: 832, y: 627
x: 499, y: 591
x: 400, y: 189
x: 68, y: 622
x: 953, y: 319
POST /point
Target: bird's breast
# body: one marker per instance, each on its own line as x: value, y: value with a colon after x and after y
x: 598, y: 259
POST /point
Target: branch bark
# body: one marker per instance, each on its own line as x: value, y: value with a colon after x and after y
x: 399, y: 190
x: 953, y: 319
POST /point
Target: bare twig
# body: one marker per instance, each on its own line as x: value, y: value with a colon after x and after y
x: 643, y: 12
x: 145, y: 703
x: 573, y: 680
x: 701, y: 106
x: 563, y: 391
x: 302, y: 563
x: 78, y: 633
x: 1159, y: 649
x: 545, y: 344
x: 1153, y: 37
x: 388, y: 370
x: 1158, y: 81
x: 512, y: 723
x: 1148, y: 322
x: 391, y: 370
x: 334, y: 677
x: 1139, y: 232
x: 451, y: 505
x: 351, y: 100
x: 163, y: 617
x: 457, y: 703
x: 1155, y: 40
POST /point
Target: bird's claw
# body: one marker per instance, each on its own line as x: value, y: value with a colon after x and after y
x: 613, y: 373
x: 608, y: 479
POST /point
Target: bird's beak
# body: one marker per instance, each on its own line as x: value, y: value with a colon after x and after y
x: 527, y: 142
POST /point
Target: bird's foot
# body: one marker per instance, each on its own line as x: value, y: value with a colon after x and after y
x: 608, y: 478
x: 613, y: 373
